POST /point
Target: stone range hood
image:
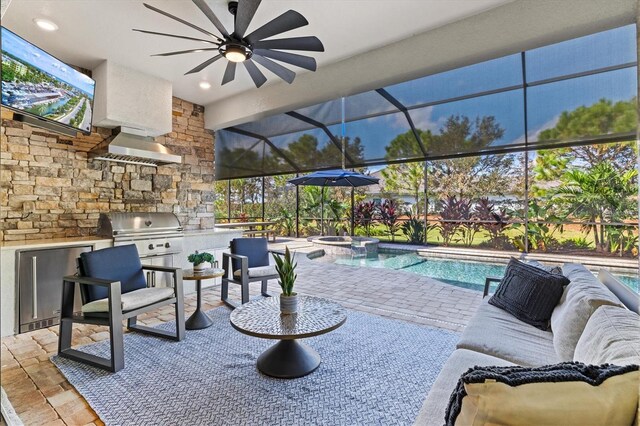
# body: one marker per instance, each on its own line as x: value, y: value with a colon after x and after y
x: 128, y: 147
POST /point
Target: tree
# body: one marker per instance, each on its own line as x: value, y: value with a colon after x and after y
x: 599, y: 195
x: 602, y: 118
x: 405, y: 177
x: 474, y: 176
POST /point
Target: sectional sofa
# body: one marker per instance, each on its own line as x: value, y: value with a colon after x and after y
x: 595, y: 322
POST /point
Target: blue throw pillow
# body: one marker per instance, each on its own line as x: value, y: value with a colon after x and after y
x: 529, y: 293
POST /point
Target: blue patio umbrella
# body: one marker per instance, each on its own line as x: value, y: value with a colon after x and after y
x: 339, y: 177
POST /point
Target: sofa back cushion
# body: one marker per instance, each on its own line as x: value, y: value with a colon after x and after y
x: 529, y: 293
x: 612, y: 336
x: 579, y: 301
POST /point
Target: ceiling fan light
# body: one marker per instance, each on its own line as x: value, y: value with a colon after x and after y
x: 235, y: 54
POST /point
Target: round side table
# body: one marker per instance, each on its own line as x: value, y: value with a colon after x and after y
x: 199, y: 320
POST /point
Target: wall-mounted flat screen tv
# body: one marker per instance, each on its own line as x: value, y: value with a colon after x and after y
x: 37, y: 84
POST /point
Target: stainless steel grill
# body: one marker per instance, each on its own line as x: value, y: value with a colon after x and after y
x: 158, y: 237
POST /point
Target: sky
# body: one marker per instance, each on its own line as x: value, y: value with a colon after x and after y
x: 27, y: 52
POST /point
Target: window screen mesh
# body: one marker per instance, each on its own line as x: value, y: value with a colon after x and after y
x: 465, y: 111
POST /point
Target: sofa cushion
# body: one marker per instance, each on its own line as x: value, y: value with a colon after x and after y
x: 132, y: 300
x: 552, y: 269
x: 498, y: 333
x: 563, y: 394
x: 258, y: 271
x: 579, y: 301
x: 433, y: 408
x: 612, y: 335
x: 529, y: 293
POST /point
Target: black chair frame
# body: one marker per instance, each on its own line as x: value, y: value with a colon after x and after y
x: 487, y: 285
x: 244, y: 280
x: 113, y: 319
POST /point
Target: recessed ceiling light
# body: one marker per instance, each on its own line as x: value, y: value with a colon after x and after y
x: 45, y: 24
x: 205, y: 85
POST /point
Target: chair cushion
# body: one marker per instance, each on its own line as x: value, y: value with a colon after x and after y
x: 498, y: 333
x: 612, y: 335
x: 529, y: 293
x: 256, y: 249
x: 132, y: 300
x: 563, y: 394
x: 258, y: 271
x: 120, y: 263
x: 461, y: 360
x: 579, y: 301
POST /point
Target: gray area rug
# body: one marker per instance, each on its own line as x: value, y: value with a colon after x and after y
x: 374, y: 371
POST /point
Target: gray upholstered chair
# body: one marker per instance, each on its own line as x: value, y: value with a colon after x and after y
x: 249, y: 261
x: 113, y: 288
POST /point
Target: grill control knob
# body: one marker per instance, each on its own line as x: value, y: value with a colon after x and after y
x: 150, y: 246
x: 167, y: 245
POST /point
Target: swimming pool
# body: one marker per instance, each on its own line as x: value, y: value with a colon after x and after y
x: 461, y: 273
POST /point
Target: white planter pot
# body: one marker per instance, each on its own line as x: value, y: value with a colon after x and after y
x: 289, y: 304
x: 200, y: 266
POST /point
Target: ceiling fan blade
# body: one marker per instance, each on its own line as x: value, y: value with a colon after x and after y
x: 289, y: 20
x: 180, y: 52
x: 182, y: 21
x: 175, y: 36
x: 244, y: 15
x: 301, y: 61
x: 229, y: 72
x: 204, y: 65
x: 212, y: 17
x: 258, y: 78
x: 293, y: 43
x: 282, y: 72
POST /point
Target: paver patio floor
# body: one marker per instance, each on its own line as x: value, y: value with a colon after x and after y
x: 41, y: 395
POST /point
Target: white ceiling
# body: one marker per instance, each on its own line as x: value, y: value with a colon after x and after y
x: 91, y: 31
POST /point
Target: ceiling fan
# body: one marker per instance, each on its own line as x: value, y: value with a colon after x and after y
x: 249, y: 49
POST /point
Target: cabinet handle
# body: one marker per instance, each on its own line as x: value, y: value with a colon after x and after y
x: 148, y: 279
x: 34, y: 283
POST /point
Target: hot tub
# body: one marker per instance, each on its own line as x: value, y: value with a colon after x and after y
x: 347, y: 245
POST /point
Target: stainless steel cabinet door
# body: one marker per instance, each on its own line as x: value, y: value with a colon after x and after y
x: 40, y: 284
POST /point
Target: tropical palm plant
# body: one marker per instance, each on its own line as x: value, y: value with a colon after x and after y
x: 599, y: 196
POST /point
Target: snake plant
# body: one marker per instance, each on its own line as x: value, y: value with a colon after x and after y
x: 285, y: 266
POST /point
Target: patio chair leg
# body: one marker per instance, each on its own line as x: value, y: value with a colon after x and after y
x: 245, y: 291
x: 180, y: 327
x: 265, y: 288
x: 115, y: 329
x: 66, y: 317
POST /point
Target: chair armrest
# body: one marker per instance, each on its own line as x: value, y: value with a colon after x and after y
x: 244, y: 265
x: 88, y: 280
x: 487, y: 284
x: 233, y: 256
x: 159, y: 268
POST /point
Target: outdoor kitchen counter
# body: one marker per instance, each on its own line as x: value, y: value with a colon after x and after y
x: 8, y: 249
x: 54, y: 242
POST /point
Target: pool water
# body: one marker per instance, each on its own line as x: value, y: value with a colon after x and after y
x: 461, y: 273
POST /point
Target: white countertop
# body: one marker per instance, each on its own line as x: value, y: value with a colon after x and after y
x: 31, y: 244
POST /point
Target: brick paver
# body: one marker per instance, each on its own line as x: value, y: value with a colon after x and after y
x: 41, y: 395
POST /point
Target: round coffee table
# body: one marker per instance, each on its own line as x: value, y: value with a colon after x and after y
x: 288, y: 358
x: 199, y: 319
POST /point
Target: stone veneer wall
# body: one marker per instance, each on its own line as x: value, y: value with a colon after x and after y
x: 50, y: 188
